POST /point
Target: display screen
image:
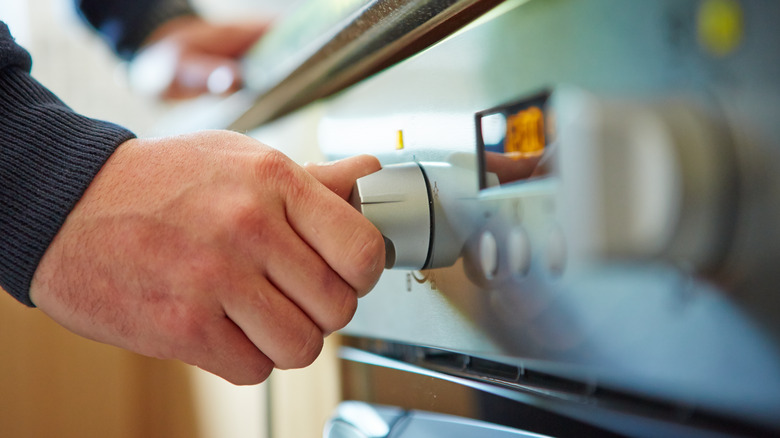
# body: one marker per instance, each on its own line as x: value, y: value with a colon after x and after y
x: 512, y: 140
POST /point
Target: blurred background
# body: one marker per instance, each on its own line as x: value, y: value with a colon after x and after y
x: 56, y: 384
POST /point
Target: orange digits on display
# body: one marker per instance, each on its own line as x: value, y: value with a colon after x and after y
x: 525, y: 134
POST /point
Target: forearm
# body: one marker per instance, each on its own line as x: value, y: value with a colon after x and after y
x: 126, y: 24
x: 48, y: 156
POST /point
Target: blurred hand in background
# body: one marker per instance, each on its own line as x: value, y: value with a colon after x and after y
x: 189, y: 56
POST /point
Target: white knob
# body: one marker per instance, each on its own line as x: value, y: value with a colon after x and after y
x: 644, y: 180
x: 488, y: 254
x: 397, y: 201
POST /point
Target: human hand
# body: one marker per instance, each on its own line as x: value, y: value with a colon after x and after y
x: 213, y: 249
x: 508, y: 168
x: 188, y: 56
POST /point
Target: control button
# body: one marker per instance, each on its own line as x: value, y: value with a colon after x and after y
x: 645, y: 181
x: 488, y: 254
x: 556, y: 252
x: 720, y: 26
x: 519, y: 251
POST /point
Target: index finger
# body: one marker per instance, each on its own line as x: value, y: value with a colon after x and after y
x: 346, y: 240
x: 340, y: 176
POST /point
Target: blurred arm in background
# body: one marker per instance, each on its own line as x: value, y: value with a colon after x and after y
x: 173, y: 52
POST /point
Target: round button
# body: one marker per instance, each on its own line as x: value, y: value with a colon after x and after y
x: 519, y: 251
x: 488, y: 254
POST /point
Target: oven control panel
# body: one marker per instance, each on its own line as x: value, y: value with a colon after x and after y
x: 614, y: 180
x: 629, y: 230
x: 583, y: 189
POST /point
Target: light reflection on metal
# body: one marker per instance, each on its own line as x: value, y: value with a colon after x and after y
x: 376, y: 35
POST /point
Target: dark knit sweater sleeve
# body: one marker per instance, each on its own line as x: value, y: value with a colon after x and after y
x: 125, y: 24
x: 48, y: 156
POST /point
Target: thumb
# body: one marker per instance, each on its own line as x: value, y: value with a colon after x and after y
x: 339, y: 176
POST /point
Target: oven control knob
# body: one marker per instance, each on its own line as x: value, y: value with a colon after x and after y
x: 424, y: 210
x: 397, y: 201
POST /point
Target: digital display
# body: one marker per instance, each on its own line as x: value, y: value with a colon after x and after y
x: 524, y: 133
x: 512, y: 140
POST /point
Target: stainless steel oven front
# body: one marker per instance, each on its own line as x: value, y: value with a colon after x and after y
x: 580, y: 204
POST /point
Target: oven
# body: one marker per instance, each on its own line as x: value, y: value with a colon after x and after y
x: 579, y: 201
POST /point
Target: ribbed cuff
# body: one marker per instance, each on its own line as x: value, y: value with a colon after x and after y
x: 48, y: 157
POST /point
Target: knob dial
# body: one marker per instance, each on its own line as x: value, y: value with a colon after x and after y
x: 397, y: 201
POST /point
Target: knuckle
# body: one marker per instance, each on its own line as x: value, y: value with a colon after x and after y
x: 367, y: 257
x: 246, y: 220
x: 243, y: 369
x: 262, y: 371
x: 188, y: 327
x: 344, y: 307
x: 248, y: 226
x: 273, y: 166
x: 276, y: 170
x: 340, y: 299
x: 180, y: 332
x: 256, y: 370
x: 305, y: 351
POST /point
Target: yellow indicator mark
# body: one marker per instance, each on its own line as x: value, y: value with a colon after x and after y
x: 525, y: 133
x: 400, y: 140
x: 719, y: 26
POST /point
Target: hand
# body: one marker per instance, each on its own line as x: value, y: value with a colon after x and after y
x: 189, y: 56
x: 214, y: 249
x: 509, y: 169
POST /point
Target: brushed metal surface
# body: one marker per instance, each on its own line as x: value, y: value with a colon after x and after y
x: 652, y: 328
x: 361, y: 38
